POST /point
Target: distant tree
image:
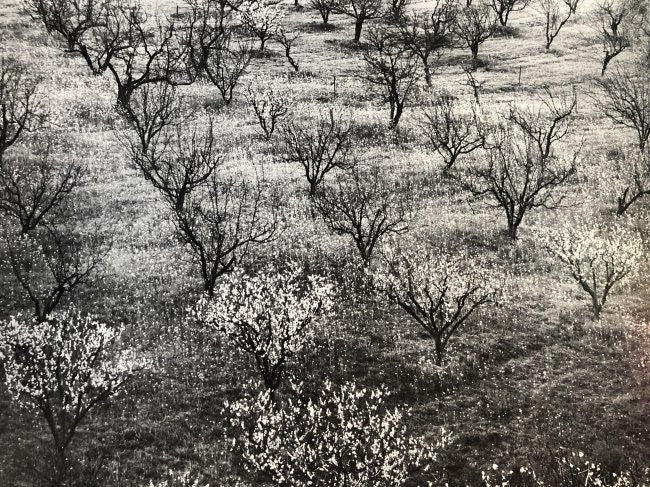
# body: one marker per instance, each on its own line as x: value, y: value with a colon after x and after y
x: 361, y: 11
x: 119, y: 38
x: 627, y: 101
x: 440, y: 292
x: 363, y: 205
x: 554, y: 18
x: 324, y: 8
x: 319, y: 146
x: 474, y: 25
x: 449, y: 132
x: 598, y: 257
x: 268, y: 104
x: 391, y: 67
x: 503, y: 8
x: 52, y: 262
x: 36, y: 181
x: 426, y: 36
x: 523, y: 170
x: 267, y: 316
x: 287, y: 41
x: 261, y: 19
x: 63, y: 366
x: 340, y: 435
x: 19, y: 105
x: 615, y: 22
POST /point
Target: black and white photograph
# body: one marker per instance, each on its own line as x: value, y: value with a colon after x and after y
x: 325, y: 243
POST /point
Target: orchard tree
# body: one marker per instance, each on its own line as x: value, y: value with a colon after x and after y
x: 391, y: 67
x: 473, y: 25
x: 325, y: 8
x: 261, y: 19
x: 36, y: 182
x: 19, y: 106
x: 63, y: 367
x: 269, y: 105
x: 449, y: 131
x: 360, y: 11
x: 599, y: 257
x: 174, y: 153
x: 425, y: 36
x: 319, y: 146
x: 556, y: 13
x: 51, y: 262
x: 633, y: 172
x: 267, y: 316
x: 439, y: 290
x: 287, y: 41
x: 223, y: 219
x: 365, y: 206
x: 616, y: 23
x: 626, y: 101
x: 503, y: 8
x: 226, y: 65
x: 523, y: 169
x: 341, y: 435
x: 118, y: 38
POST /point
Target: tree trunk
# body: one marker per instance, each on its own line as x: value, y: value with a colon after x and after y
x: 358, y: 25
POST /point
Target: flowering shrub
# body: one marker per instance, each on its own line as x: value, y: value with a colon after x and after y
x: 261, y: 19
x: 267, y: 315
x: 439, y: 291
x: 64, y: 367
x: 574, y: 470
x: 599, y: 257
x: 345, y: 435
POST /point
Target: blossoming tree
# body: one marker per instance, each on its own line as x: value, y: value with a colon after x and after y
x: 599, y: 257
x: 63, y: 367
x: 438, y: 290
x: 267, y: 316
x: 344, y: 435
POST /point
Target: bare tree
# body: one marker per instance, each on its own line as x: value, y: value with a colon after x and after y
x: 391, y: 67
x: 523, y: 171
x: 555, y: 19
x: 633, y: 170
x: 364, y: 206
x: 269, y: 107
x: 324, y: 8
x: 223, y: 220
x: 35, y: 184
x: 473, y: 83
x: 396, y: 11
x: 426, y: 36
x: 473, y: 26
x: 118, y: 38
x: 175, y: 154
x: 227, y: 64
x: 615, y: 22
x: 361, y: 11
x: 287, y: 40
x: 51, y: 262
x: 503, y: 8
x: 450, y: 133
x: 627, y: 101
x: 318, y: 146
x: 19, y: 108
